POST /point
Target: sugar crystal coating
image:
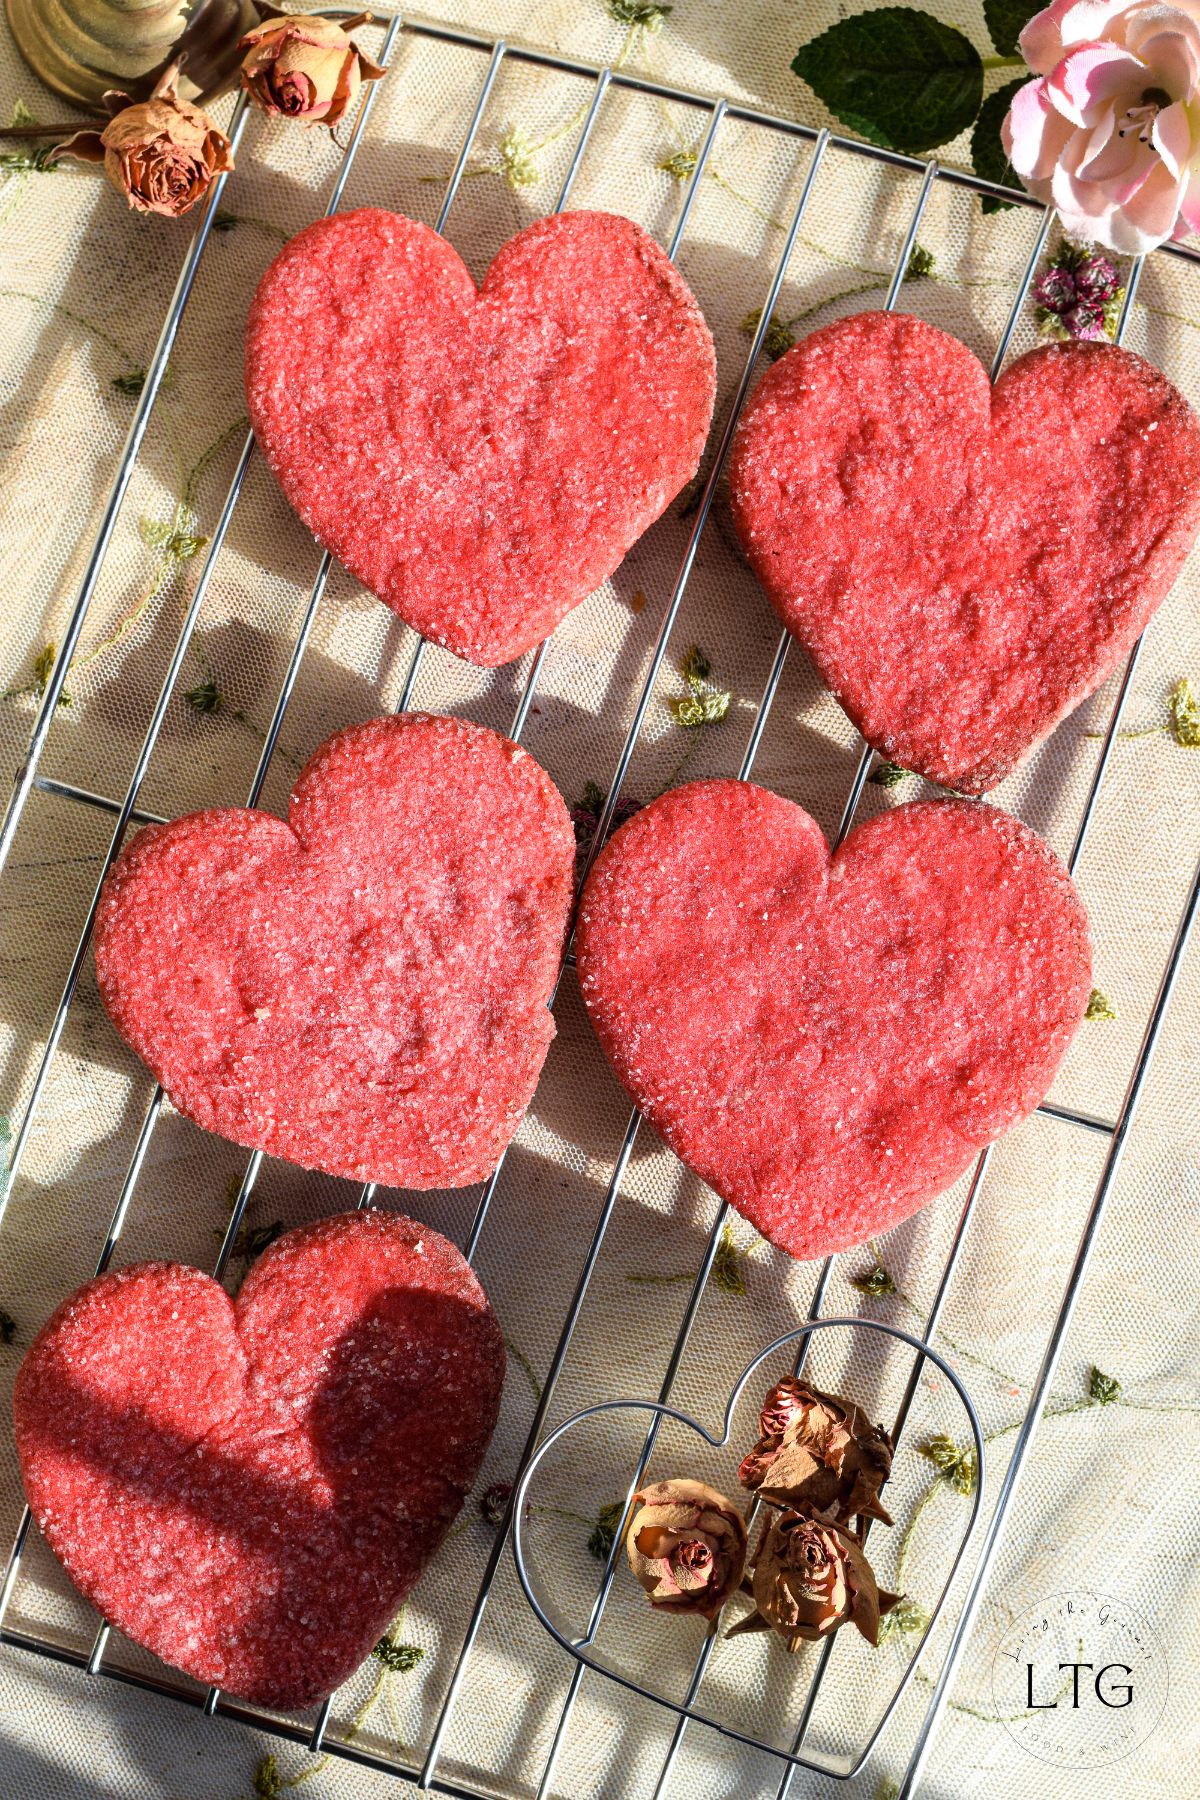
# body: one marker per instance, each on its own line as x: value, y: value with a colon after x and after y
x: 830, y: 1041
x: 364, y: 988
x: 481, y: 460
x: 250, y: 1488
x: 963, y: 566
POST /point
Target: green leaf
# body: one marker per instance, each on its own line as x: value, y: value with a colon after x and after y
x: 1183, y: 712
x: 1006, y: 20
x: 988, y: 155
x: 899, y: 77
x: 1102, y: 1388
x: 600, y: 1539
x: 399, y: 1658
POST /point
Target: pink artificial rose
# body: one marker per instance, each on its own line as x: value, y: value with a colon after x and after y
x: 1109, y: 131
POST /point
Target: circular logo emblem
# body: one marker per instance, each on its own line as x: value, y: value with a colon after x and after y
x: 1080, y: 1680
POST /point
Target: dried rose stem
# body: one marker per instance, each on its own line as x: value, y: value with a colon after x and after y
x: 40, y: 131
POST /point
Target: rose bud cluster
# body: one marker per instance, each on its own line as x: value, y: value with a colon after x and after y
x: 1078, y: 295
x: 818, y: 1452
x: 811, y: 1577
x: 305, y: 67
x: 162, y: 154
x: 818, y: 1466
x: 686, y: 1545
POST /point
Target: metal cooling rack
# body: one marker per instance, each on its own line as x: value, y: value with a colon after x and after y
x: 426, y: 1770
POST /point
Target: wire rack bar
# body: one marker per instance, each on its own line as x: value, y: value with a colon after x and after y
x: 741, y: 113
x: 1037, y: 1404
x: 126, y: 811
x: 985, y: 1158
x: 605, y: 820
x: 697, y: 1293
x: 682, y: 1337
x: 60, y: 668
x: 526, y: 701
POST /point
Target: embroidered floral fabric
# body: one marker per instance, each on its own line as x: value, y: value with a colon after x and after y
x: 83, y: 289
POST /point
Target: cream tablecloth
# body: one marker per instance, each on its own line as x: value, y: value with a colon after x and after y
x: 1109, y: 1503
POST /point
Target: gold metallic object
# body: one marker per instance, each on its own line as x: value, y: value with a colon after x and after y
x: 82, y: 48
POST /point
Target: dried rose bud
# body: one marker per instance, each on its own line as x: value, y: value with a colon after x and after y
x: 1055, y: 289
x: 819, y: 1452
x: 162, y: 154
x: 1085, y: 321
x: 687, y: 1546
x: 810, y: 1578
x: 1096, y: 278
x: 305, y: 68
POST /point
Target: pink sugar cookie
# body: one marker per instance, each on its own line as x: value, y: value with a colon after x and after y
x: 963, y: 566
x: 829, y: 1042
x: 480, y: 459
x: 250, y: 1488
x: 365, y: 988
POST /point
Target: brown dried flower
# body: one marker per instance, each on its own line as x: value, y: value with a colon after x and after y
x: 305, y: 67
x: 818, y: 1452
x: 687, y: 1546
x: 162, y: 154
x: 810, y: 1578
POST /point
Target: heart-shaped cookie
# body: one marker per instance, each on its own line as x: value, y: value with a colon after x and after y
x: 250, y: 1488
x: 363, y: 989
x: 963, y: 565
x: 480, y: 459
x: 830, y: 1041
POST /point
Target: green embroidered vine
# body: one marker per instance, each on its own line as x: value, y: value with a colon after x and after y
x: 953, y: 1463
x: 638, y: 13
x: 878, y: 1283
x: 725, y: 1272
x: 702, y: 704
x: 1182, y: 720
x: 604, y: 1530
x: 401, y: 1659
x: 780, y: 336
x: 1099, y: 1006
x: 526, y: 1367
x: 177, y: 542
x: 31, y: 161
x: 206, y: 697
x: 133, y: 378
x: 906, y: 1619
x: 957, y: 1469
x: 888, y: 775
x: 515, y: 157
x: 269, y: 1782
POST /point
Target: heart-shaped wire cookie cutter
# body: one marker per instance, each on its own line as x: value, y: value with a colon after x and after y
x: 582, y: 1647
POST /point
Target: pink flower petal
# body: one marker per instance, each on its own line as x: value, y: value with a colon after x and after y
x: 1168, y: 43
x: 1089, y: 20
x: 1041, y: 42
x: 1150, y: 217
x: 1116, y: 161
x: 1189, y: 211
x: 1093, y: 77
x: 1172, y: 137
x: 1033, y: 134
